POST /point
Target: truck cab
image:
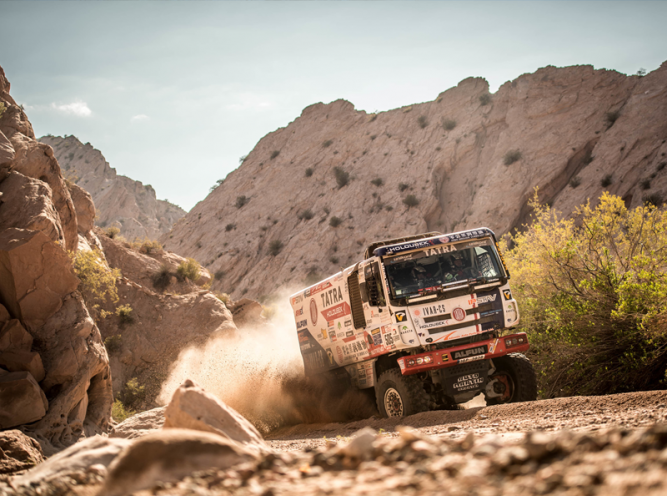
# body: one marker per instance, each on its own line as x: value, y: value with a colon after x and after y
x: 423, y: 320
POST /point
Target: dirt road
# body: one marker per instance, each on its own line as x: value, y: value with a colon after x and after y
x: 582, y: 413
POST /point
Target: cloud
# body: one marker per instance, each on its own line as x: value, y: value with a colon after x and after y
x: 140, y: 117
x: 78, y: 108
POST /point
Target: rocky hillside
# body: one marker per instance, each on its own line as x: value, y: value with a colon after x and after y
x: 119, y: 200
x: 312, y: 195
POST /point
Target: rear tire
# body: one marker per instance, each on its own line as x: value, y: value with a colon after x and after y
x: 399, y: 395
x: 516, y: 377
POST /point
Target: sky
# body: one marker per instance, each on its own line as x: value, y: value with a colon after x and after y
x: 174, y: 93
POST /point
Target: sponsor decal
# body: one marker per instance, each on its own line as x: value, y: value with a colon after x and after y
x: 439, y: 250
x: 434, y: 309
x: 298, y: 312
x: 459, y: 314
x: 486, y: 299
x: 471, y: 359
x: 339, y: 326
x: 492, y: 347
x: 349, y: 338
x: 429, y: 340
x: 339, y: 352
x: 389, y: 339
x: 330, y: 356
x: 336, y: 312
x: 433, y: 324
x: 313, y: 311
x: 332, y: 337
x: 478, y: 350
x: 318, y: 288
x: 469, y: 381
x: 349, y: 333
x: 301, y: 323
x: 348, y: 323
x: 324, y: 334
x: 432, y: 243
x: 303, y: 336
x: 400, y: 316
x: 445, y: 358
x: 375, y: 331
x: 297, y: 299
x: 416, y: 313
x: 331, y: 297
x: 507, y: 293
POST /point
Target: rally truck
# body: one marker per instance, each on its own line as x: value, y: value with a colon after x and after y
x: 425, y: 320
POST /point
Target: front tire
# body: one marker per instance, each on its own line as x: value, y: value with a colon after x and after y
x: 398, y: 395
x: 515, y: 380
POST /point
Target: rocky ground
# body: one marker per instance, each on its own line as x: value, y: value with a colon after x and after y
x: 586, y: 445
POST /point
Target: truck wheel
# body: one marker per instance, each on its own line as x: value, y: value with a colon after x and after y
x: 398, y: 395
x: 515, y: 380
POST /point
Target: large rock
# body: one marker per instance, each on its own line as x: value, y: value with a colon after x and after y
x: 26, y: 204
x: 21, y: 400
x: 85, y: 208
x: 97, y: 450
x: 18, y: 452
x: 13, y: 337
x: 193, y: 408
x: 4, y: 316
x: 247, y: 312
x: 28, y: 361
x: 140, y: 424
x: 170, y: 455
x: 35, y: 275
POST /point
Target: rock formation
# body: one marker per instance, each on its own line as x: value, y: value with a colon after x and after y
x: 311, y: 196
x: 119, y: 200
x: 54, y: 370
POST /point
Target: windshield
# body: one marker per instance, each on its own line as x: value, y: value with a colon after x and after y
x: 427, y: 270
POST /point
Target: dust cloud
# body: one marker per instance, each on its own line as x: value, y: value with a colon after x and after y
x: 259, y: 372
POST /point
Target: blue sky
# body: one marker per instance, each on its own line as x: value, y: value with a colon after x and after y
x: 173, y: 93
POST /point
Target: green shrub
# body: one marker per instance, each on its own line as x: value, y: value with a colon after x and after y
x: 606, y: 180
x: 342, y: 177
x: 448, y: 124
x: 575, y: 181
x: 223, y: 297
x: 113, y: 344
x: 229, y: 227
x: 274, y: 154
x: 309, y: 171
x: 217, y: 183
x: 335, y: 221
x: 305, y: 214
x: 411, y: 201
x: 378, y: 181
x: 189, y: 269
x: 98, y: 281
x: 133, y: 393
x: 150, y: 246
x: 327, y: 143
x: 423, y: 121
x: 402, y: 187
x: 219, y: 274
x: 593, y: 296
x: 112, y: 232
x: 119, y: 412
x: 654, y: 199
x: 511, y: 156
x: 333, y: 259
x: 485, y: 99
x: 2, y: 108
x: 162, y: 278
x: 241, y: 201
x: 275, y: 247
x: 124, y: 313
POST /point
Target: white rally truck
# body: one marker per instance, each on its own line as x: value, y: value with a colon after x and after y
x: 424, y: 320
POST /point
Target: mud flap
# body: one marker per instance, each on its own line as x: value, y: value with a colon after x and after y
x: 465, y: 377
x: 362, y: 374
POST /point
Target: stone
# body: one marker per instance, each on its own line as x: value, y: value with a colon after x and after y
x: 84, y: 206
x: 140, y: 424
x: 193, y: 408
x: 35, y: 275
x: 247, y: 312
x: 170, y: 455
x: 29, y: 361
x: 96, y: 450
x: 4, y: 316
x: 19, y: 452
x: 360, y: 446
x: 21, y: 400
x: 14, y: 337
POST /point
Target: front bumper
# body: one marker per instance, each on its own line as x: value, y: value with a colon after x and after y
x: 438, y: 359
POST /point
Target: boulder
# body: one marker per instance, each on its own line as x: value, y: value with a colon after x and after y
x: 26, y: 204
x: 13, y: 337
x: 84, y: 206
x: 96, y: 450
x: 193, y: 408
x: 21, y: 400
x: 170, y: 455
x: 35, y: 275
x: 4, y: 316
x: 19, y: 452
x: 247, y: 312
x: 140, y: 424
x: 29, y: 361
